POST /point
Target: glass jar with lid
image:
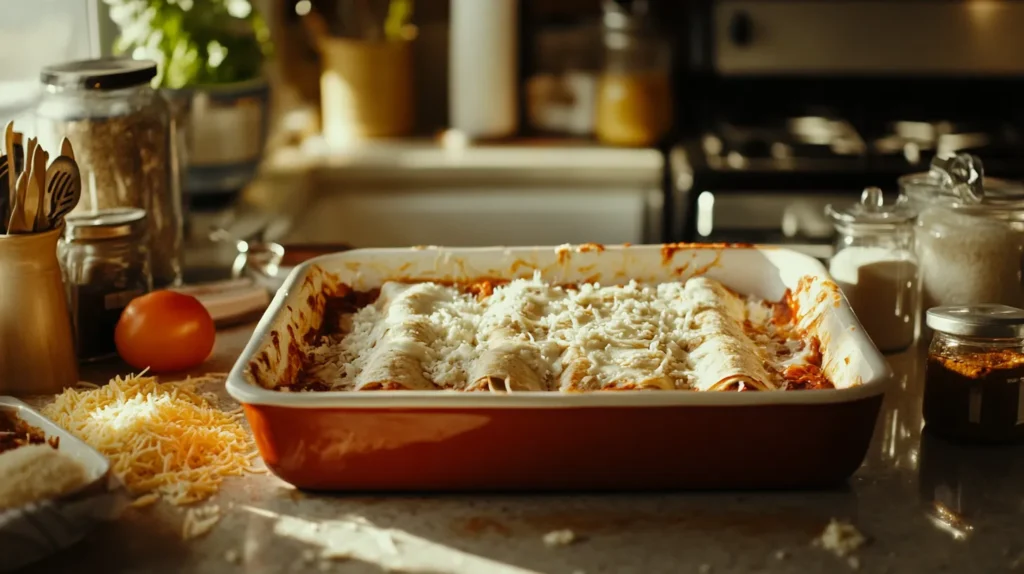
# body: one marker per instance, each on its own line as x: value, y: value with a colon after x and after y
x: 125, y: 143
x: 634, y: 97
x: 970, y: 233
x: 875, y: 266
x: 105, y: 259
x: 973, y: 380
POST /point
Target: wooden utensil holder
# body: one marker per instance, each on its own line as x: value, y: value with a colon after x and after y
x: 37, y: 351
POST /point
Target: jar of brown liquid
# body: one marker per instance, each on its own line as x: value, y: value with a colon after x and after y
x: 973, y: 380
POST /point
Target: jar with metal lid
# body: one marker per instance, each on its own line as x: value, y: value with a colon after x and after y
x: 973, y: 380
x: 105, y: 258
x: 126, y: 145
x: 876, y: 267
x: 970, y: 233
x: 634, y: 96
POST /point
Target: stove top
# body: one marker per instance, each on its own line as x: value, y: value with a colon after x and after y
x: 828, y: 143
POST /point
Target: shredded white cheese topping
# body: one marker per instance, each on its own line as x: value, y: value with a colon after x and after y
x: 673, y: 335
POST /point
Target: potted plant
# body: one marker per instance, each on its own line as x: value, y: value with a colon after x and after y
x: 366, y: 58
x: 210, y: 56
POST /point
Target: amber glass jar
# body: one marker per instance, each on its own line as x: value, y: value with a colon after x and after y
x: 634, y: 97
x: 973, y: 380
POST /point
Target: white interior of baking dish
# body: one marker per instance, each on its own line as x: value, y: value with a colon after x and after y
x: 95, y: 464
x: 850, y: 360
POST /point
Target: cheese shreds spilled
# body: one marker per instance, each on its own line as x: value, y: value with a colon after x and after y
x: 840, y: 538
x: 164, y: 440
x: 199, y: 521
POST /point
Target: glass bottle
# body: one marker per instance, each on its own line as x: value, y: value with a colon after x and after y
x: 634, y: 98
x: 105, y: 259
x: 974, y: 380
x: 125, y: 143
x: 876, y: 267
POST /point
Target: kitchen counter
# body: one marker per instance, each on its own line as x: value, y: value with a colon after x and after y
x: 926, y: 505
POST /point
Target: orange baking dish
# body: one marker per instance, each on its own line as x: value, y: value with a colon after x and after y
x: 626, y: 440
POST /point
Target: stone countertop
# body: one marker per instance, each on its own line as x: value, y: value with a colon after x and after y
x: 926, y: 505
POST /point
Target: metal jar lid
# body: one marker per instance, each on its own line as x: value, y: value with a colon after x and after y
x: 105, y: 224
x: 101, y: 74
x: 982, y: 321
x: 873, y: 211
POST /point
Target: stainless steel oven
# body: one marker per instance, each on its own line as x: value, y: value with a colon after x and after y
x: 788, y: 106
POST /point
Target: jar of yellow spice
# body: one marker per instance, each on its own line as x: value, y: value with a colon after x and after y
x: 634, y: 100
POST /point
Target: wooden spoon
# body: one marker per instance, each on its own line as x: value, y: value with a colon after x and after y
x: 63, y: 189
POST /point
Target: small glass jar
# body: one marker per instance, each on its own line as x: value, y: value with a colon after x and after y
x: 875, y: 266
x: 106, y: 264
x: 973, y: 380
x: 634, y: 95
x: 970, y: 233
x: 125, y: 143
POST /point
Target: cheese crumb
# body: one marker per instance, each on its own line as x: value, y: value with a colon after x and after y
x: 232, y: 556
x: 704, y: 569
x: 559, y: 538
x: 781, y: 554
x: 199, y: 521
x: 854, y: 562
x: 840, y: 538
x: 145, y: 500
x: 338, y: 554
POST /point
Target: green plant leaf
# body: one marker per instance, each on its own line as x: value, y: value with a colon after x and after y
x: 178, y: 34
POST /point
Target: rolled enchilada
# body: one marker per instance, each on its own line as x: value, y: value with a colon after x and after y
x: 530, y: 335
x: 723, y: 356
x: 514, y: 352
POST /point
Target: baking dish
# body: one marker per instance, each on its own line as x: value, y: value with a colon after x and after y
x: 635, y: 440
x: 34, y: 531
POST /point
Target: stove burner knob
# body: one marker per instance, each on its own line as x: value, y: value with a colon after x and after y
x: 741, y: 29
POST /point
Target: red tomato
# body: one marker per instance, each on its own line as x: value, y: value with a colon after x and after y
x: 165, y: 331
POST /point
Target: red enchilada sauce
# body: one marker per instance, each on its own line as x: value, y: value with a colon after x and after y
x: 975, y: 396
x: 15, y: 433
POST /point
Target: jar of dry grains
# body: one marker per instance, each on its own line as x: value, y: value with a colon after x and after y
x: 875, y: 266
x: 125, y: 144
x: 969, y: 234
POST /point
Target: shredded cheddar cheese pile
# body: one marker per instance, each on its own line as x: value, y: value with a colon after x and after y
x: 163, y: 439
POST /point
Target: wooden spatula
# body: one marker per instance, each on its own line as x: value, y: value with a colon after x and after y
x: 18, y: 223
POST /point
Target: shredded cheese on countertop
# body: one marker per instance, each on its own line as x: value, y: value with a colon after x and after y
x: 199, y: 521
x: 840, y: 538
x: 165, y: 439
x: 559, y: 538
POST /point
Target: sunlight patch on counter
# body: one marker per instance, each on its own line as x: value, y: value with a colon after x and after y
x: 353, y: 537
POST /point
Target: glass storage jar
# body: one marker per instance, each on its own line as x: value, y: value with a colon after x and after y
x: 876, y: 268
x: 973, y: 380
x: 970, y: 233
x: 634, y: 97
x: 125, y: 143
x: 106, y: 264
